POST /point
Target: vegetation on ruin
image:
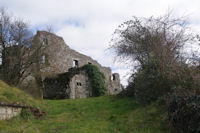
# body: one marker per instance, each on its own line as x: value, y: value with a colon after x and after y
x: 97, y: 79
x: 91, y: 115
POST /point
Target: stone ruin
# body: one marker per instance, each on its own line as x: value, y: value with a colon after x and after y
x: 56, y: 59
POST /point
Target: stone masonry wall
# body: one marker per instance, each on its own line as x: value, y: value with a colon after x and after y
x: 116, y: 86
x: 80, y: 86
x: 9, y: 112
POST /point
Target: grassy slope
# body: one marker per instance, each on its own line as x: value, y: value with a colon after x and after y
x: 13, y: 94
x: 93, y: 115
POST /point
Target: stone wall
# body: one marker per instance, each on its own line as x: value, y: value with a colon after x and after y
x: 9, y: 112
x: 115, y: 83
x: 80, y: 86
x: 68, y: 86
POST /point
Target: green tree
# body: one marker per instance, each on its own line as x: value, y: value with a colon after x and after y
x: 155, y: 44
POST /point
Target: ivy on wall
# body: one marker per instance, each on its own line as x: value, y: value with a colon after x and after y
x: 97, y: 79
x: 56, y: 86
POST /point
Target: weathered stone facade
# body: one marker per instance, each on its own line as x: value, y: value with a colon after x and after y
x: 115, y: 84
x: 57, y: 58
x: 80, y: 86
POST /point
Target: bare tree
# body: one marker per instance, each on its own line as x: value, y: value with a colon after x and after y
x: 49, y: 28
x: 5, y: 39
x: 160, y: 39
x: 144, y: 38
x: 17, y: 53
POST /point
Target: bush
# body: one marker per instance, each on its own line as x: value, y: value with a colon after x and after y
x: 184, y: 113
x: 129, y: 91
x: 156, y: 79
x: 150, y: 83
x: 26, y: 114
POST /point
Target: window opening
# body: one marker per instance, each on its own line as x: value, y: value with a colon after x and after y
x: 113, y: 77
x: 75, y: 63
x: 44, y: 41
x: 43, y: 59
x: 78, y: 84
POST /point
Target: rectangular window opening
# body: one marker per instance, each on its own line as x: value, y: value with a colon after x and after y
x: 44, y: 41
x: 43, y: 59
x: 75, y: 63
x: 78, y: 84
x: 113, y: 77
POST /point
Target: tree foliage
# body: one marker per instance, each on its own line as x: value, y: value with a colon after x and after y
x: 141, y: 39
x: 156, y: 45
x: 184, y: 112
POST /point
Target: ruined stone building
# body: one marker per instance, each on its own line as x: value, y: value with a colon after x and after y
x: 56, y: 59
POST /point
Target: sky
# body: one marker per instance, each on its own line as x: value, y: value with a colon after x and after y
x: 87, y: 25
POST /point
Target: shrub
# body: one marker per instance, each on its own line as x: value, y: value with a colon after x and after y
x: 184, y: 113
x: 156, y: 79
x: 150, y: 83
x: 26, y: 114
x: 129, y: 91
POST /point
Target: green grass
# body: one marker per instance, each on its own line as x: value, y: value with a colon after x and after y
x: 13, y: 94
x: 106, y: 114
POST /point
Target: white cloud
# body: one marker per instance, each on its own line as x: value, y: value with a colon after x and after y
x: 87, y: 25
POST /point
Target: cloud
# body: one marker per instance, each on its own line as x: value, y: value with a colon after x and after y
x: 87, y: 25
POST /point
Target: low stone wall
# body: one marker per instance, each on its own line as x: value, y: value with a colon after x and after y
x: 9, y: 112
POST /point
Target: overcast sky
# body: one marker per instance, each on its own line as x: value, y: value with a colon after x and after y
x: 87, y: 25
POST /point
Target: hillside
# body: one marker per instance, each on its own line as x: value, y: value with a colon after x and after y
x: 13, y: 94
x: 101, y: 114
